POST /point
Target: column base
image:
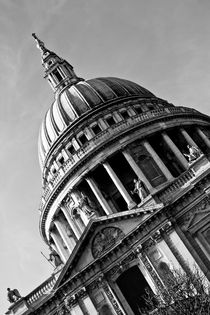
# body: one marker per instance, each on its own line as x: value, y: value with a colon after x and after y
x: 132, y: 205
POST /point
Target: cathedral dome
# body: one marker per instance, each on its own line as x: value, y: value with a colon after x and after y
x: 75, y: 100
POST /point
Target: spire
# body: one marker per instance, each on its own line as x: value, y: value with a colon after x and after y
x: 58, y: 71
x: 40, y: 45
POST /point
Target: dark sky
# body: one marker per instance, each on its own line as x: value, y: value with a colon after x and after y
x: 163, y: 45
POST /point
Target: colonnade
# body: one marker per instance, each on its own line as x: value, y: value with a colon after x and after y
x: 65, y: 242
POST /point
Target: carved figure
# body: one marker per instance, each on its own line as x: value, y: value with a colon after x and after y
x: 139, y: 189
x: 105, y: 239
x: 193, y: 154
x: 86, y: 205
x: 13, y: 295
x: 55, y: 258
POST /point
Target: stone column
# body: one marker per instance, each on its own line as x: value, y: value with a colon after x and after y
x: 72, y: 224
x: 204, y: 137
x: 180, y: 157
x: 59, y: 246
x: 88, y: 306
x: 131, y: 204
x: 178, y: 246
x: 99, y: 196
x: 158, y: 161
x: 175, y: 252
x: 136, y: 169
x: 63, y: 235
x: 188, y: 138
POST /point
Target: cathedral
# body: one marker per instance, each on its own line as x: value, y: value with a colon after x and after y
x: 125, y: 194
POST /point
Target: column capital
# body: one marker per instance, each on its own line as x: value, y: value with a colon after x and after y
x: 124, y: 147
x: 104, y: 161
x: 87, y: 176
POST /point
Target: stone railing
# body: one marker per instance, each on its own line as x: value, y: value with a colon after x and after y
x: 25, y: 304
x: 44, y: 289
x: 170, y: 191
x: 195, y: 170
x: 110, y: 132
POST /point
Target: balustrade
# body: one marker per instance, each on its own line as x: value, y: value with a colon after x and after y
x: 43, y: 289
x: 175, y: 186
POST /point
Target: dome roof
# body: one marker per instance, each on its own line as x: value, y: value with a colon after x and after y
x: 77, y: 99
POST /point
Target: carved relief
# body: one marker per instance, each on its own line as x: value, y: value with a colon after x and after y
x: 86, y: 205
x: 70, y: 301
x: 69, y: 204
x: 77, y: 202
x: 150, y: 269
x: 112, y: 298
x: 105, y: 239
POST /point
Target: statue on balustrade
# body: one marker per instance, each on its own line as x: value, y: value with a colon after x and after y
x: 55, y: 258
x: 13, y: 295
x: 139, y: 189
x: 193, y: 153
x: 86, y: 205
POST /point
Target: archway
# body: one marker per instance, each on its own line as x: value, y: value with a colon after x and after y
x: 133, y: 285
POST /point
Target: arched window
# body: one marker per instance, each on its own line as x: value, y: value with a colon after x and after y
x: 151, y: 170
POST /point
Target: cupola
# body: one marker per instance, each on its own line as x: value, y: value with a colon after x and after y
x: 58, y: 71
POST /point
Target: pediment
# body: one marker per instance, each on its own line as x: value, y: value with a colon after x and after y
x: 197, y: 216
x: 101, y: 236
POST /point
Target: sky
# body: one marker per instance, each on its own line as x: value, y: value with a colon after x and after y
x: 164, y: 45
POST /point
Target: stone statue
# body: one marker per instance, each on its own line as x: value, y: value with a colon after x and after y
x: 139, y: 189
x: 193, y: 154
x: 13, y: 295
x: 86, y: 205
x: 55, y: 258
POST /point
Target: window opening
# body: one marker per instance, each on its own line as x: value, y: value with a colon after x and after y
x: 110, y: 121
x: 71, y: 149
x: 57, y: 75
x: 124, y: 114
x: 61, y: 160
x: 53, y: 171
x: 138, y: 110
x: 83, y: 139
x: 150, y: 107
x: 151, y: 170
x: 96, y: 129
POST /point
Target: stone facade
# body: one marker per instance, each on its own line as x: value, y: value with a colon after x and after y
x: 114, y: 241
